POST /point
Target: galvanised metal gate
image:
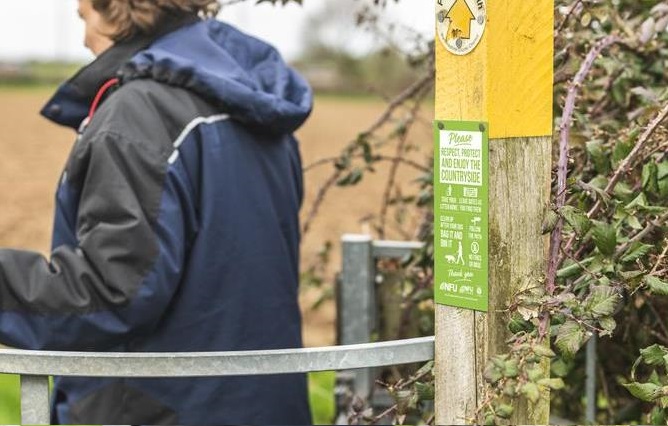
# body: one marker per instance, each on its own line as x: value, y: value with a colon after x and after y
x: 356, y: 319
x: 355, y: 358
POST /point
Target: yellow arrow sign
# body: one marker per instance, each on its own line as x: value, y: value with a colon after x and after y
x: 460, y: 17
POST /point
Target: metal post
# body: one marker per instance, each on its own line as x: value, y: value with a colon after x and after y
x: 590, y: 386
x: 35, y: 402
x: 356, y: 308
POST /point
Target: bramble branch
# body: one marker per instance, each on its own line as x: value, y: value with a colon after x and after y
x: 562, y: 171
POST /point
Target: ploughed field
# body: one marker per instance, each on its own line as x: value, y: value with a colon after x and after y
x: 34, y: 152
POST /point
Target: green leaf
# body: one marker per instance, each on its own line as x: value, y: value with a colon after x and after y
x: 598, y: 156
x: 559, y: 368
x: 429, y: 366
x: 504, y: 411
x: 543, y: 351
x: 510, y: 388
x: 639, y: 201
x: 662, y: 172
x: 353, y: 178
x: 621, y: 150
x: 623, y: 191
x: 599, y: 193
x: 492, y: 373
x: 550, y: 222
x: 531, y: 391
x: 425, y: 391
x: 654, y: 378
x: 632, y: 279
x: 577, y: 219
x: 572, y: 269
x: 654, y: 355
x: 631, y: 275
x: 602, y: 301
x: 636, y: 251
x: 633, y: 222
x: 605, y: 238
x: 500, y: 360
x: 650, y: 181
x: 644, y: 391
x: 608, y: 324
x: 536, y: 373
x: 656, y: 210
x: 511, y: 368
x: 518, y: 324
x: 343, y: 162
x: 662, y: 177
x: 570, y: 338
x: 554, y: 384
x: 658, y: 416
x: 656, y: 285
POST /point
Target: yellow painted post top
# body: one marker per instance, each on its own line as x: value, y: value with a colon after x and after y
x: 507, y: 79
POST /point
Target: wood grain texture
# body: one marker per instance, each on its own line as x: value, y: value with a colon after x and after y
x: 455, y: 374
x: 506, y: 81
x: 519, y: 196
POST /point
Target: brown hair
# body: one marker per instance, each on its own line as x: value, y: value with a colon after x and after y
x: 130, y: 17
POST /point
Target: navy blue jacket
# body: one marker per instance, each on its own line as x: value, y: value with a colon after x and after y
x: 176, y: 229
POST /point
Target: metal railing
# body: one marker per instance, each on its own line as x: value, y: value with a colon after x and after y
x: 357, y: 311
x: 35, y: 367
x: 355, y: 357
x: 355, y: 353
x: 356, y: 296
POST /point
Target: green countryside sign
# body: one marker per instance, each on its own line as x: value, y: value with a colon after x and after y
x: 461, y: 222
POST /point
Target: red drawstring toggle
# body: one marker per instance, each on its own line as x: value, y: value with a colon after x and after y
x: 98, y: 98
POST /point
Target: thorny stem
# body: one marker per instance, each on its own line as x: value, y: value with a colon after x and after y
x: 562, y: 173
x: 568, y: 15
x: 409, y: 93
x: 399, y: 385
x: 630, y: 159
x: 659, y: 260
x: 662, y: 147
x: 380, y: 416
x: 651, y: 225
x: 625, y: 166
x: 401, y: 146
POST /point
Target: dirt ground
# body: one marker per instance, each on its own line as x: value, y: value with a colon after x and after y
x: 34, y: 152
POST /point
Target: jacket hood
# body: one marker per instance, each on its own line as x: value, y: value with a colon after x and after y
x: 241, y: 75
x: 244, y: 76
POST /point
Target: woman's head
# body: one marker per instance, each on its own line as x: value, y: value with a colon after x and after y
x: 108, y: 21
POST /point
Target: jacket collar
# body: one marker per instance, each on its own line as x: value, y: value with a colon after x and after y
x: 70, y: 105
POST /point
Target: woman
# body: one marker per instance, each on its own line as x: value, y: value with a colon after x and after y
x: 176, y: 224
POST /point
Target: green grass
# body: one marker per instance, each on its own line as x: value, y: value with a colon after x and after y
x: 321, y: 397
x: 9, y: 400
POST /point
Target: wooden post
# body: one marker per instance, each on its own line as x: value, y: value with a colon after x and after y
x: 506, y: 81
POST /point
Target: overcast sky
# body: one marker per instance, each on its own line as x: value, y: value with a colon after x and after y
x: 50, y: 29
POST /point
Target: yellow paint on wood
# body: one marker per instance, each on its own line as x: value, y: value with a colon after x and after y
x: 507, y: 80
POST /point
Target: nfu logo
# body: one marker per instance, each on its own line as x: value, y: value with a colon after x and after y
x: 450, y: 288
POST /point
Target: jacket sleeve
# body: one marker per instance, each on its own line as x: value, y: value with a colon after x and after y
x: 120, y: 279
